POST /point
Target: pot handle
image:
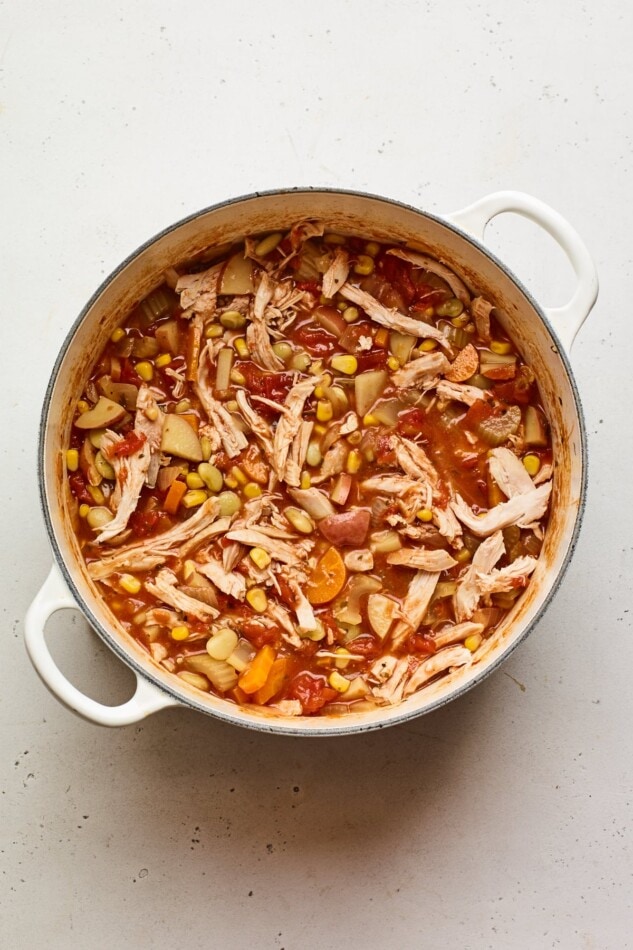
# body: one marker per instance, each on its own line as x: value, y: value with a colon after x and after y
x: 53, y: 596
x: 566, y: 320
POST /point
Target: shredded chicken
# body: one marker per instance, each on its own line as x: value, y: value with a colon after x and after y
x: 414, y: 605
x: 199, y: 292
x: 298, y: 452
x: 256, y: 423
x: 392, y: 690
x: 460, y: 392
x: 446, y: 659
x: 336, y: 274
x: 392, y: 319
x: 225, y: 580
x: 390, y: 484
x: 468, y: 593
x: 509, y: 473
x: 333, y: 463
x: 456, y: 633
x: 233, y: 441
x: 130, y: 473
x: 481, y: 310
x: 414, y: 461
x: 448, y: 526
x: 165, y: 588
x: 423, y: 369
x: 422, y: 560
x: 290, y: 423
x: 429, y: 264
x: 521, y: 510
x: 257, y: 332
x: 278, y: 550
x: 302, y: 607
x: 149, y: 422
x: 508, y: 578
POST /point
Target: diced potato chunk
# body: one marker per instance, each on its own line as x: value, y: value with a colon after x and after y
x: 168, y: 337
x: 368, y: 387
x: 179, y: 439
x: 237, y: 276
x: 381, y: 610
x: 104, y: 414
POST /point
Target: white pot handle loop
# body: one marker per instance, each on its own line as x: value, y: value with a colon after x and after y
x: 53, y: 596
x: 566, y: 320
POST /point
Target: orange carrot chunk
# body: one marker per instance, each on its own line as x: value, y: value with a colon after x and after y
x: 256, y: 673
x: 174, y: 496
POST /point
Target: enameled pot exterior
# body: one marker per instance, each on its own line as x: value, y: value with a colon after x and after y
x: 456, y: 240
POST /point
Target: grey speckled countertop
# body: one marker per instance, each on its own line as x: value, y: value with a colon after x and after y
x: 501, y: 821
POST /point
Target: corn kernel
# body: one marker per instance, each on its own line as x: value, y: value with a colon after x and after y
x: 355, y: 438
x: 344, y: 364
x: 152, y: 413
x: 117, y: 334
x: 427, y: 345
x: 324, y: 410
x: 463, y: 556
x: 257, y: 599
x: 83, y: 406
x: 206, y: 447
x: 239, y: 475
x: 334, y: 238
x: 354, y: 462
x: 381, y: 337
x: 319, y: 429
x: 338, y: 682
x: 179, y: 633
x: 96, y: 494
x: 306, y: 481
x: 145, y: 370
x: 164, y: 359
x: 232, y: 405
x: 424, y: 514
x: 283, y: 350
x: 532, y: 464
x: 192, y: 499
x: 83, y: 510
x: 370, y: 420
x: 231, y: 482
x: 259, y: 557
x: 344, y: 661
x: 238, y: 378
x: 372, y: 248
x: 393, y: 363
x: 342, y: 305
x: 72, y: 460
x: 473, y: 643
x: 241, y: 346
x: 351, y: 314
x: 212, y: 331
x: 130, y: 583
x: 194, y: 481
x: 268, y: 244
x: 319, y: 392
x: 500, y: 347
x: 183, y: 406
x: 252, y: 490
x: 364, y: 265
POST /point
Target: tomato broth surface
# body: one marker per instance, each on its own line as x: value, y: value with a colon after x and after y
x: 311, y: 472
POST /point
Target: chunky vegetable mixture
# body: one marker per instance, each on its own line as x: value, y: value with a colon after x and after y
x: 311, y: 472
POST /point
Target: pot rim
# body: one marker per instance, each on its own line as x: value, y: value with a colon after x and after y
x: 289, y: 726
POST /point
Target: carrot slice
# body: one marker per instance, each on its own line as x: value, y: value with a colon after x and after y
x: 276, y: 678
x: 327, y: 578
x: 256, y: 673
x: 174, y: 496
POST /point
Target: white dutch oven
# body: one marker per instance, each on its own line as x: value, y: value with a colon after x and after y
x: 543, y: 335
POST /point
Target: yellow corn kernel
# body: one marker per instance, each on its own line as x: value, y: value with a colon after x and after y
x: 346, y: 363
x: 319, y: 429
x: 212, y: 331
x: 193, y: 480
x: 324, y: 410
x: 355, y: 438
x: 473, y: 643
x: 319, y: 392
x: 239, y: 475
x: 372, y: 248
x: 145, y: 370
x: 238, y: 378
x: 463, y: 556
x: 306, y: 481
x: 231, y: 482
x: 427, y: 345
x: 164, y: 359
x: 117, y: 334
x: 152, y: 413
x: 259, y: 557
x: 83, y: 406
x: 351, y: 314
x: 532, y: 464
x: 344, y: 661
x: 338, y: 682
x: 83, y: 510
x: 424, y: 514
x: 206, y: 447
x: 72, y: 460
x: 364, y: 265
x: 393, y: 363
x: 268, y: 244
x: 192, y: 499
x: 232, y: 405
x: 179, y: 633
x: 381, y: 337
x: 342, y: 305
x: 241, y: 346
x: 257, y: 599
x: 370, y: 420
x: 130, y: 583
x: 354, y: 462
x: 334, y: 238
x: 96, y: 494
x: 252, y: 490
x: 500, y: 347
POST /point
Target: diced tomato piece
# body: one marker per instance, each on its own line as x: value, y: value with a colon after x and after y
x: 131, y: 443
x: 78, y: 487
x: 310, y: 689
x: 412, y: 422
x: 275, y: 386
x: 366, y: 645
x: 420, y: 643
x: 310, y: 285
x: 373, y: 359
x: 316, y: 340
x: 143, y: 523
x: 129, y: 374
